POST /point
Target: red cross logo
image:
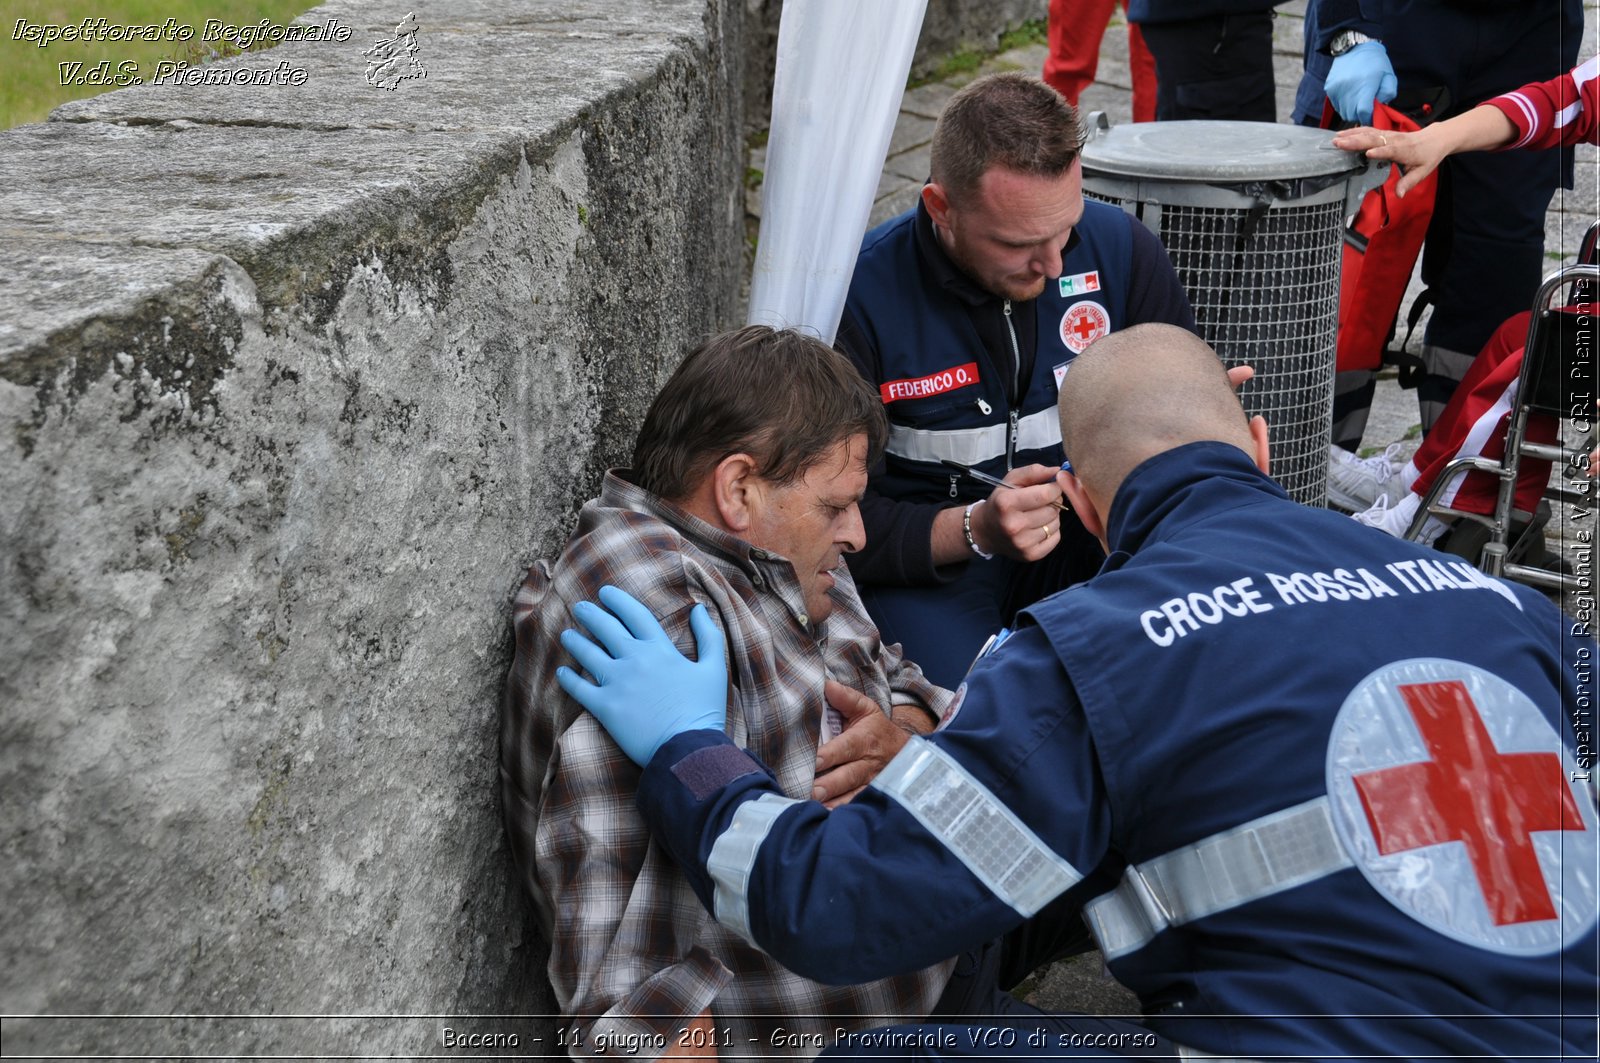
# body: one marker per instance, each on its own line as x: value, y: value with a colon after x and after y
x: 1083, y: 323
x: 1470, y: 792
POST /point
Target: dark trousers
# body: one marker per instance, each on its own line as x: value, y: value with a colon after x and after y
x: 1216, y: 67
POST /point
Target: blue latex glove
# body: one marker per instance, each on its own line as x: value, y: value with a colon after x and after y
x: 643, y: 690
x: 1357, y: 78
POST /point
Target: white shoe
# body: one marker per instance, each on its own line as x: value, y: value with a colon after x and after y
x: 1395, y: 519
x: 1358, y: 483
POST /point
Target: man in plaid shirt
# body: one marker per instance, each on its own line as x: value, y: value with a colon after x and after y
x: 742, y: 496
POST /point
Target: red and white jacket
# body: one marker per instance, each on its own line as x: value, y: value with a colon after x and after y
x: 1553, y: 113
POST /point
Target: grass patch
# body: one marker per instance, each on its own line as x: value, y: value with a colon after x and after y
x: 1031, y: 32
x: 1414, y: 432
x: 31, y: 76
x: 968, y: 60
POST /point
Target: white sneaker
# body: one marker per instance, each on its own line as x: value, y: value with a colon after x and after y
x: 1358, y: 483
x: 1394, y: 519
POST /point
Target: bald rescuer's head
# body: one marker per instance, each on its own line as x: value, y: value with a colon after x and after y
x: 1135, y: 394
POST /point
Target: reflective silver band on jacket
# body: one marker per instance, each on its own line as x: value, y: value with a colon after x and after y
x: 733, y: 855
x: 976, y: 826
x: 1246, y: 863
x: 973, y: 446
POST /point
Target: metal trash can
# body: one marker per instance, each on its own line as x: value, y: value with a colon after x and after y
x: 1252, y: 215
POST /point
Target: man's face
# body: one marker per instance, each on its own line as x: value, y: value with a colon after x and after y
x: 814, y: 521
x: 1007, y: 234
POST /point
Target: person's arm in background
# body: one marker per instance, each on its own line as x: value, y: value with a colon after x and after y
x: 1555, y: 113
x: 1420, y: 153
x: 1336, y: 16
x: 1542, y: 115
x: 1362, y: 73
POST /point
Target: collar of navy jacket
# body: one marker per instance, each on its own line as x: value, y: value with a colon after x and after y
x: 1213, y: 475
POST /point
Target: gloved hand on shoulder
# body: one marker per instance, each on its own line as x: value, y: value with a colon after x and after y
x: 643, y: 691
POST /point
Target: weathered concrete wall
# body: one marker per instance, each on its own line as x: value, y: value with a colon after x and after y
x: 294, y: 383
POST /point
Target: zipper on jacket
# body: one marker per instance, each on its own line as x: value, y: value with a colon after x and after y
x: 953, y: 481
x: 1016, y: 387
x: 1016, y: 356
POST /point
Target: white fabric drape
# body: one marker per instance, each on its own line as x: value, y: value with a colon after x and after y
x: 842, y: 67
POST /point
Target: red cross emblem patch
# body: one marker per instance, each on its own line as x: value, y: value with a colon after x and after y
x: 1083, y: 323
x: 1458, y: 802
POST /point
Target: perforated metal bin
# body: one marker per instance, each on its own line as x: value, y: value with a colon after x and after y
x: 1252, y: 215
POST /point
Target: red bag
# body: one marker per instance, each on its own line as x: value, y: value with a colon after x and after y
x: 1380, y: 251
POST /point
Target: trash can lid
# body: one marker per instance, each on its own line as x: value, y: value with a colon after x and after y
x: 1215, y: 152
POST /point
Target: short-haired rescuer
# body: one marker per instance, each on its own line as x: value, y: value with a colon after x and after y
x: 1338, y: 812
x: 965, y: 314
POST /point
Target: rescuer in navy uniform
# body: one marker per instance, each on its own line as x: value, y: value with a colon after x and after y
x: 1319, y: 792
x: 966, y: 313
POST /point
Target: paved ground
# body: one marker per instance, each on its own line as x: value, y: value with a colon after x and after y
x: 1083, y: 984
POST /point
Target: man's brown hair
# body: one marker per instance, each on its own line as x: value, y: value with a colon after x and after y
x: 1011, y: 120
x: 782, y: 397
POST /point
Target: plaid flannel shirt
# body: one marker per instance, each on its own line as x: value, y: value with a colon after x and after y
x: 634, y: 955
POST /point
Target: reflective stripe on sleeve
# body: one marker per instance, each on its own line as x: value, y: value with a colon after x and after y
x: 734, y: 854
x: 996, y: 846
x: 974, y: 446
x: 1246, y: 863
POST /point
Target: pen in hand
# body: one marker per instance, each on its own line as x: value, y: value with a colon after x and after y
x: 992, y: 481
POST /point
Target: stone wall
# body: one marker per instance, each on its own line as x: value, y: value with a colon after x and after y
x: 295, y: 381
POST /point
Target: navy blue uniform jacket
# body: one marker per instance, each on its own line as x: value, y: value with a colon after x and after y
x: 1353, y: 764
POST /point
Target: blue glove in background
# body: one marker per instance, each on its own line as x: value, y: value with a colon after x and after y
x: 643, y: 690
x: 1357, y: 78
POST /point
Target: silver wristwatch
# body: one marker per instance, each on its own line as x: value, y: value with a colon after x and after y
x: 1346, y: 41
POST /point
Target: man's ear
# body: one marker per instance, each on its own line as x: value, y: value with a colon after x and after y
x: 938, y: 204
x: 1083, y: 506
x: 735, y: 491
x: 1263, y: 449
